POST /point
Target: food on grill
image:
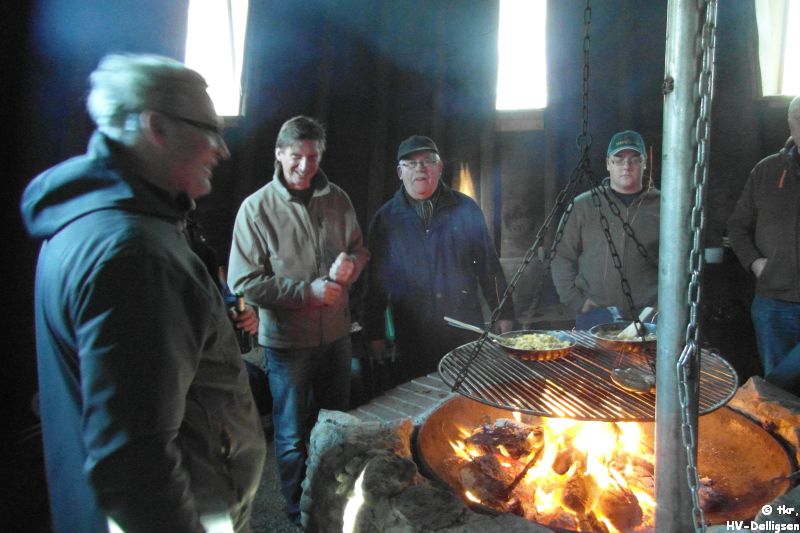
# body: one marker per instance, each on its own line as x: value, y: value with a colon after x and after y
x: 613, y: 334
x: 535, y: 341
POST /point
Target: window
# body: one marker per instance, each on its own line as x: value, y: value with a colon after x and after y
x: 778, y: 41
x: 215, y: 48
x: 521, y: 73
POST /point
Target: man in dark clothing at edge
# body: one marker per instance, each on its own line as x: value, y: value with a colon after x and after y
x: 148, y: 421
x: 431, y: 256
x: 764, y: 230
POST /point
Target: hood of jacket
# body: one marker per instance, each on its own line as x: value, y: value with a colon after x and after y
x: 790, y: 150
x: 102, y: 178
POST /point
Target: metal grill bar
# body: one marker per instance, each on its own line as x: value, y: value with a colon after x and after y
x: 575, y: 386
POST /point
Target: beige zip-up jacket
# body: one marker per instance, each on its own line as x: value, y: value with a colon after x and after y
x: 280, y: 246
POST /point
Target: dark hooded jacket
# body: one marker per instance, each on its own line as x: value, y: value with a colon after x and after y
x: 425, y: 274
x: 766, y: 223
x: 147, y: 416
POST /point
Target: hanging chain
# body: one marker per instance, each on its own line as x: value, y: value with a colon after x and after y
x: 584, y: 139
x: 581, y: 170
x: 584, y: 142
x: 617, y: 262
x: 689, y: 361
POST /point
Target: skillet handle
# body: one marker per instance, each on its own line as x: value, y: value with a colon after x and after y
x: 462, y: 325
x: 469, y: 327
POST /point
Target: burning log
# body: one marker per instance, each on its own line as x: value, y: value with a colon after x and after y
x: 579, y: 494
x: 488, y: 481
x: 589, y: 522
x: 486, y: 478
x: 517, y: 439
x: 563, y: 460
x: 620, y: 506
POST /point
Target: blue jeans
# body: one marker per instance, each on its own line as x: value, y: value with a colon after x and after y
x: 777, y: 327
x: 302, y: 381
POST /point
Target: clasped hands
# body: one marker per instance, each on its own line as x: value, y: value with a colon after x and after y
x: 325, y: 291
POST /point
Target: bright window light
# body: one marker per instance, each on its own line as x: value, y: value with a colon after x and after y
x: 215, y: 48
x: 791, y: 65
x: 521, y: 73
x: 778, y: 41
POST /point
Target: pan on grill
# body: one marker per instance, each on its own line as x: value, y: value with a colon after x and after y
x: 607, y: 335
x: 528, y: 345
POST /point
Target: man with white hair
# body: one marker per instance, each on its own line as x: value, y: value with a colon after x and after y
x: 764, y: 231
x: 432, y: 257
x: 148, y: 421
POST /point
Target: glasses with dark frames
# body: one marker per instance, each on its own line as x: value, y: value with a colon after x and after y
x: 414, y: 163
x: 205, y: 126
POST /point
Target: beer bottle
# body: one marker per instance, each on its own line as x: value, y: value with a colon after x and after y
x: 244, y: 337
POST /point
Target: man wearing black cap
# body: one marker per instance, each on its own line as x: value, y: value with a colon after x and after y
x: 431, y: 255
x: 584, y: 271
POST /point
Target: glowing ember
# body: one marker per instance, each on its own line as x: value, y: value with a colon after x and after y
x: 583, y: 476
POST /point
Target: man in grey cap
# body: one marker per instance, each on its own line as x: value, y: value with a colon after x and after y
x: 431, y: 257
x: 583, y: 268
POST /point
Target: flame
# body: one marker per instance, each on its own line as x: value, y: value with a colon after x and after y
x: 464, y: 183
x: 585, y: 475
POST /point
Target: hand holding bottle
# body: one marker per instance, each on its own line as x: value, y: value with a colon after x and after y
x: 247, y: 320
x: 243, y: 321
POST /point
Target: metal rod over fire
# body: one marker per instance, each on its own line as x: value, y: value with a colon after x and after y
x: 687, y: 99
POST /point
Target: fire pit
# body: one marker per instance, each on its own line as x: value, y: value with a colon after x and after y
x: 464, y: 445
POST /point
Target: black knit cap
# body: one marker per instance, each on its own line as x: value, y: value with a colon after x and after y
x: 414, y: 144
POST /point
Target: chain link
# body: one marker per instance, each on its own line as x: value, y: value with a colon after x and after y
x: 617, y: 262
x: 688, y: 363
x: 581, y: 171
x: 584, y: 142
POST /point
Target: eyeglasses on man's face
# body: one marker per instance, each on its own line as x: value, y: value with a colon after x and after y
x: 634, y: 161
x: 419, y: 163
x: 205, y: 126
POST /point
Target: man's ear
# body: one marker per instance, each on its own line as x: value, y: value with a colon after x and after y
x: 400, y: 172
x: 154, y: 127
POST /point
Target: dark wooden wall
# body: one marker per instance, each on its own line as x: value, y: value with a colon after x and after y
x: 376, y: 71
